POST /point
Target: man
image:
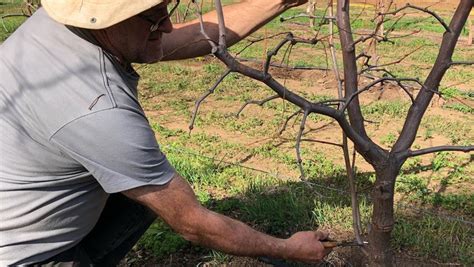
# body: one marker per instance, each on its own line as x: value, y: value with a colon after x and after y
x: 81, y: 174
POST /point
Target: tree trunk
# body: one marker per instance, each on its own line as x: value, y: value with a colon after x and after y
x: 382, y: 216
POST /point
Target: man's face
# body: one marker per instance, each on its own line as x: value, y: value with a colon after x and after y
x: 133, y: 41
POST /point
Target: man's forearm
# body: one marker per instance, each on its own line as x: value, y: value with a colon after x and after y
x: 225, y: 234
x: 176, y: 203
x: 241, y: 19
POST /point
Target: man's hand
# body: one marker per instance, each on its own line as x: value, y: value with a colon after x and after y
x: 307, y: 246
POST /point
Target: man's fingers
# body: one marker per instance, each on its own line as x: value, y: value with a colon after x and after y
x: 322, y: 235
x: 329, y: 244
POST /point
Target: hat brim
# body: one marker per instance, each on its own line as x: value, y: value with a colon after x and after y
x: 95, y: 14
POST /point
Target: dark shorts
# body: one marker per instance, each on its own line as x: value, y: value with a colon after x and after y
x: 120, y: 226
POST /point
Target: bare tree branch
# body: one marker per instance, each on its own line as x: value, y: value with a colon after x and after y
x: 345, y: 148
x: 209, y: 92
x: 222, y: 29
x: 256, y: 102
x: 254, y: 41
x: 283, y: 66
x: 369, y: 67
x: 298, y: 144
x: 350, y: 68
x: 283, y: 128
x: 321, y: 142
x: 431, y: 84
x: 435, y: 149
x: 381, y: 80
x: 203, y: 31
x: 462, y: 63
x: 302, y: 15
x: 426, y: 10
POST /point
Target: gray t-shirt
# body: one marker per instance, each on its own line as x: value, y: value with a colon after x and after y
x: 71, y: 132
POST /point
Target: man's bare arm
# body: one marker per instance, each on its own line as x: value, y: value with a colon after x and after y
x: 241, y: 19
x: 178, y: 206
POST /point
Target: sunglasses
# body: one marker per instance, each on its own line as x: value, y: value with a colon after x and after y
x: 155, y: 24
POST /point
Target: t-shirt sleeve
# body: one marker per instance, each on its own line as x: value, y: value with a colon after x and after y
x: 118, y: 147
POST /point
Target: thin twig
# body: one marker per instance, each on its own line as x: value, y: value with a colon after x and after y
x: 426, y: 10
x: 302, y: 15
x: 283, y: 128
x: 256, y: 102
x: 209, y: 92
x: 381, y: 80
x: 298, y: 144
x: 203, y: 31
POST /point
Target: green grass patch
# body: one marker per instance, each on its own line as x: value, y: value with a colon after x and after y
x: 162, y: 240
x: 459, y: 132
x: 9, y: 25
x: 459, y: 107
x: 427, y: 235
x: 392, y: 109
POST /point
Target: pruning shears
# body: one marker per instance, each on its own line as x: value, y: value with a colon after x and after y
x: 330, y: 243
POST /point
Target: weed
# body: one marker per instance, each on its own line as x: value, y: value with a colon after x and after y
x: 165, y: 132
x: 458, y: 131
x: 457, y: 74
x: 9, y: 25
x: 217, y: 258
x: 462, y: 202
x: 161, y: 240
x: 441, y: 160
x: 214, y: 69
x: 317, y: 165
x: 413, y: 186
x: 278, y: 210
x: 394, y: 109
x: 270, y: 151
x: 412, y: 164
x: 460, y: 107
x: 336, y: 212
x: 449, y: 92
x: 388, y: 139
x: 428, y: 133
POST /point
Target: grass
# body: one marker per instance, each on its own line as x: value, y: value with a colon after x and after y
x: 393, y: 109
x: 9, y: 24
x: 456, y: 130
x: 281, y: 208
x: 423, y: 235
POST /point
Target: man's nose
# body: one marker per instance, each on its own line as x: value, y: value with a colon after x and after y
x: 166, y: 26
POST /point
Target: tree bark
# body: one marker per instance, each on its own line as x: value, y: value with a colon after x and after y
x: 382, y: 216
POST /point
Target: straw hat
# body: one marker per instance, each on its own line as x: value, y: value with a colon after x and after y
x: 95, y: 14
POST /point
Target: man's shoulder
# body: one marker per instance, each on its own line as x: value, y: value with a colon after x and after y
x: 51, y: 75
